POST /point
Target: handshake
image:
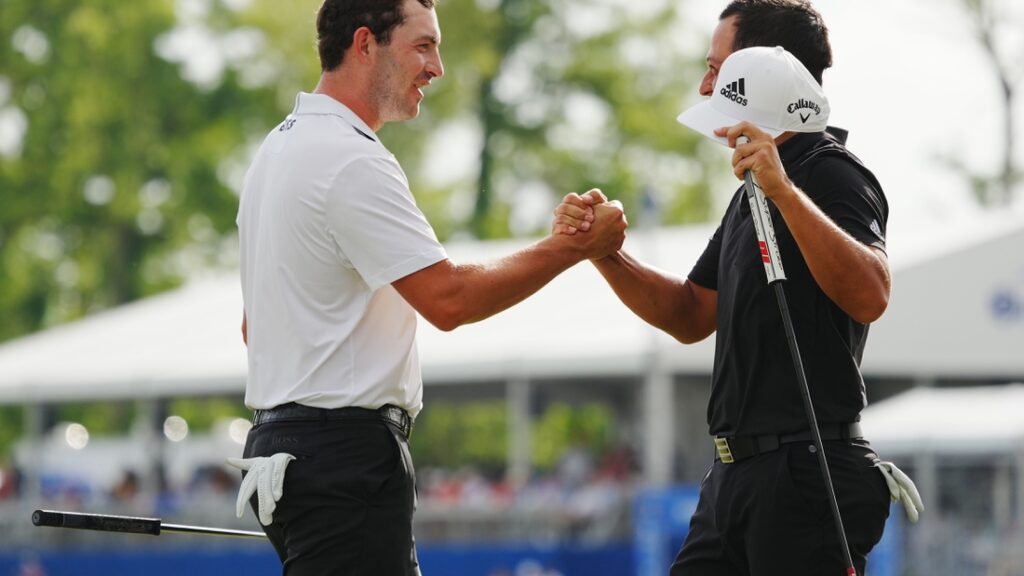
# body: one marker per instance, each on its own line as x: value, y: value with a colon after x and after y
x: 596, y: 226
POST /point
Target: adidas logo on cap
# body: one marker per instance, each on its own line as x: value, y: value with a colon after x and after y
x: 735, y: 91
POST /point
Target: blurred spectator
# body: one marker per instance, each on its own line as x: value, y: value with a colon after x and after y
x: 10, y: 482
x: 213, y: 480
x: 619, y: 463
x: 127, y: 488
x: 575, y: 466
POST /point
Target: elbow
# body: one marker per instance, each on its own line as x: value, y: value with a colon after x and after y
x: 446, y: 316
x: 686, y: 339
x: 872, y: 308
x: 869, y: 315
x: 444, y: 324
x: 689, y: 337
x: 874, y: 298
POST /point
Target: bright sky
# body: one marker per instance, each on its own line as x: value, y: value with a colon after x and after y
x: 912, y: 84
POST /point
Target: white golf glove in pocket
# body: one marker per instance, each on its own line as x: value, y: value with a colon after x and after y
x: 266, y: 478
x: 902, y: 489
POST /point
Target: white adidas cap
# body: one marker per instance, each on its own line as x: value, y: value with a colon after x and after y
x: 767, y: 87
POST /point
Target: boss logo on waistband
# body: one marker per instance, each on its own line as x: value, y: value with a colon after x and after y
x: 284, y: 441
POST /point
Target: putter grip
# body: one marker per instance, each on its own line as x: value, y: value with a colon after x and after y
x: 100, y: 522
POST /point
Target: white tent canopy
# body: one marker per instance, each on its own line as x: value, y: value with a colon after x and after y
x: 956, y: 310
x: 969, y: 421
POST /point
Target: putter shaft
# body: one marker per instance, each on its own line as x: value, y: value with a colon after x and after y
x: 128, y: 524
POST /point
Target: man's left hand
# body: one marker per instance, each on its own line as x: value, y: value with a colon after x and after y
x: 759, y: 155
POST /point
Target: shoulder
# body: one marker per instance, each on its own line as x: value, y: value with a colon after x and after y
x: 835, y: 167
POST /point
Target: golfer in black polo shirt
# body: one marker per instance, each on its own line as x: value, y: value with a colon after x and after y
x: 764, y: 508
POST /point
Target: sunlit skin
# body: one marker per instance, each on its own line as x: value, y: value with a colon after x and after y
x: 721, y: 47
x: 407, y: 65
x: 384, y: 83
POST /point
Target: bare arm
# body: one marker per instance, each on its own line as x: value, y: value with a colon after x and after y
x: 684, y: 310
x: 449, y: 295
x: 679, y: 307
x: 855, y: 276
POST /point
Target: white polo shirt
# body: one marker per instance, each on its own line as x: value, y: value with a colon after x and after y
x: 326, y: 222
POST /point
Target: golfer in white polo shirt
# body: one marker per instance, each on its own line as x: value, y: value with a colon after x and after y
x: 336, y: 260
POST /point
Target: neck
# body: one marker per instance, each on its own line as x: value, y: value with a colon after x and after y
x: 352, y: 94
x: 783, y: 137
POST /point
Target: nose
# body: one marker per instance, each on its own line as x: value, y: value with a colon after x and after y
x: 707, y: 84
x: 435, y: 68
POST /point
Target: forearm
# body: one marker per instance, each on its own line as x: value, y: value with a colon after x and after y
x: 854, y: 276
x: 661, y: 299
x: 449, y: 295
x: 485, y: 289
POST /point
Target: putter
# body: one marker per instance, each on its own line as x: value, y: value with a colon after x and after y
x: 128, y: 524
x: 776, y: 275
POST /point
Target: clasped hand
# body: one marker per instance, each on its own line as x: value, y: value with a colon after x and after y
x: 592, y: 212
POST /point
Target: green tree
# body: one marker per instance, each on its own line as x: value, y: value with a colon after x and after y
x: 567, y: 96
x: 118, y: 170
x: 126, y: 128
x: 452, y: 435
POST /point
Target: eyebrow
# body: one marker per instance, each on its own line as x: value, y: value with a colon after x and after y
x: 430, y: 38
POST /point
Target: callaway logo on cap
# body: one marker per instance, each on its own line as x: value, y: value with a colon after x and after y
x: 767, y: 87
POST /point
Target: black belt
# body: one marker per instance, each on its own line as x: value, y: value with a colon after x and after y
x: 737, y: 448
x: 292, y: 412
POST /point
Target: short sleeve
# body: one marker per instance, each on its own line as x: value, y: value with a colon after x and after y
x: 705, y: 271
x: 373, y: 218
x: 852, y: 198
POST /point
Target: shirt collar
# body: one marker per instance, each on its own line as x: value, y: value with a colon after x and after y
x: 306, y: 103
x: 794, y: 148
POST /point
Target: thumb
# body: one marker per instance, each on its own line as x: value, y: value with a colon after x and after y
x: 595, y: 196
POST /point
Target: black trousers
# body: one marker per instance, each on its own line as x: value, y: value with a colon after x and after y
x: 770, y: 515
x: 348, y: 500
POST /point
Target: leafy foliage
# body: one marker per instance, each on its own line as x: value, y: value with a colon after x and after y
x: 451, y: 435
x: 129, y: 126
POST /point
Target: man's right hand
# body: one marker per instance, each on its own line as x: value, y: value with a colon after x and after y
x: 576, y: 212
x: 602, y: 222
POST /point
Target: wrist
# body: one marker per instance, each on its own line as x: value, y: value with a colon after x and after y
x: 785, y: 194
x: 607, y: 261
x: 567, y: 248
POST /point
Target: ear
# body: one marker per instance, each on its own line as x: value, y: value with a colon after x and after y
x: 364, y: 43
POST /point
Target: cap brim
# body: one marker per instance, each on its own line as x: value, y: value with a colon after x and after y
x: 704, y: 118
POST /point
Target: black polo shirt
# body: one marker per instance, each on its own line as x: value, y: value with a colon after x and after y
x: 754, y: 388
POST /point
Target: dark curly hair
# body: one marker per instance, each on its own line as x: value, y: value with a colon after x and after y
x: 338, y: 20
x: 793, y: 24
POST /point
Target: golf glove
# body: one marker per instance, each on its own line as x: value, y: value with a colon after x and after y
x: 902, y: 489
x: 266, y: 478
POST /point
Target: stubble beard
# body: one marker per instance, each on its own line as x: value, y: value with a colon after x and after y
x: 391, y: 94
